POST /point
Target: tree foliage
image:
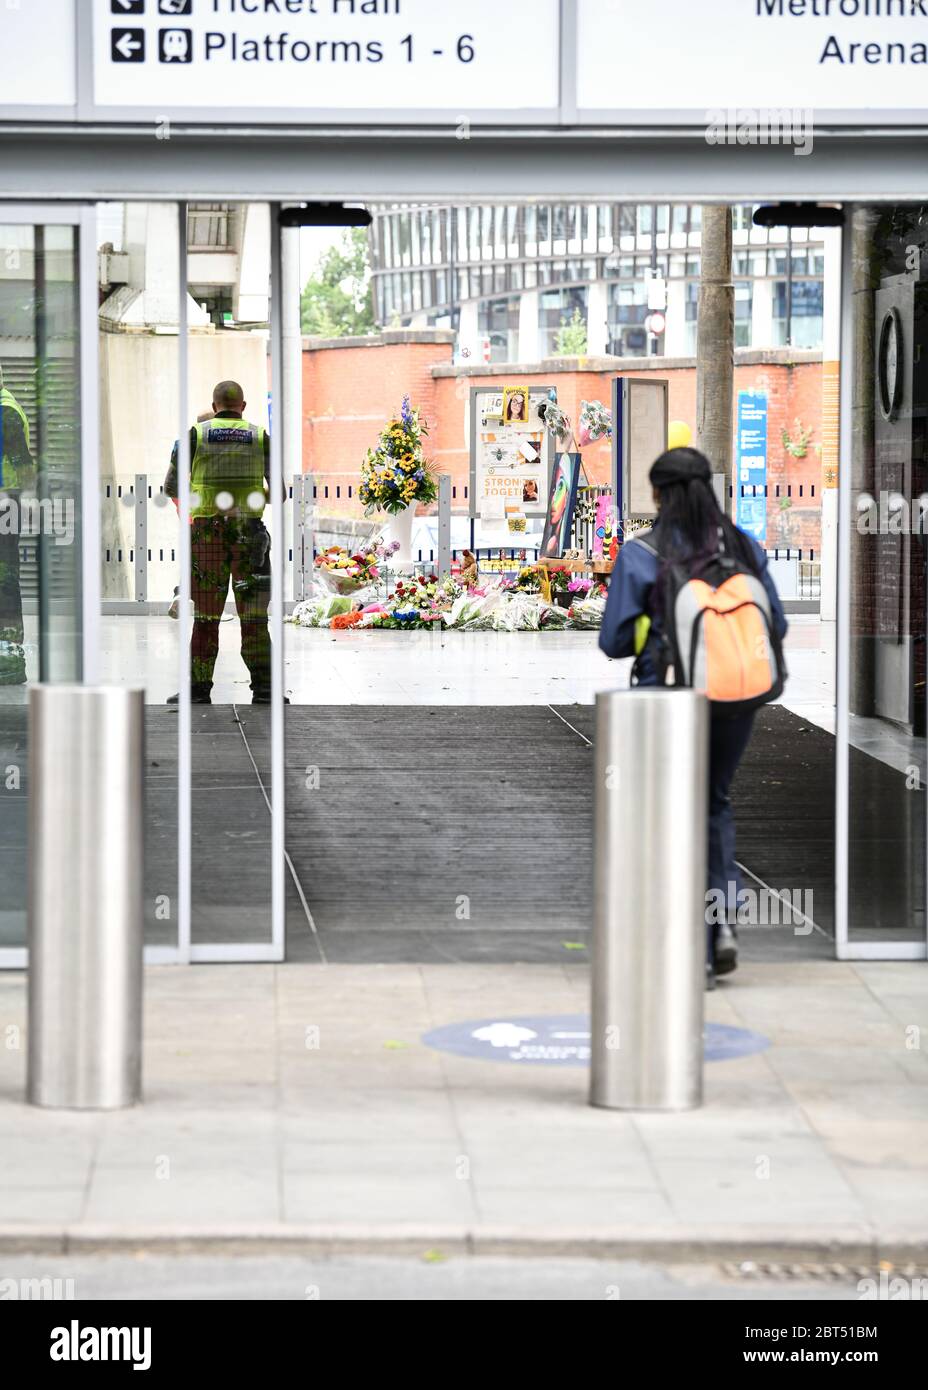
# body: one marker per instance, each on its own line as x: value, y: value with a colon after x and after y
x: 571, y: 336
x: 337, y: 301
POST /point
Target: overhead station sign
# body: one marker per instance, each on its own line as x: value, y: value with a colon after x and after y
x: 837, y: 58
x: 728, y: 67
x: 313, y: 57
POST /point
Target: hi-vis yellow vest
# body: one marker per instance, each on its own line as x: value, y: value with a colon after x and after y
x: 227, y: 470
x: 10, y: 475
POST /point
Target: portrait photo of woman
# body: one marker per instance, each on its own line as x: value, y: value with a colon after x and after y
x: 515, y: 405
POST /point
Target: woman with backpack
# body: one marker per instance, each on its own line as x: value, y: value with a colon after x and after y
x: 693, y: 601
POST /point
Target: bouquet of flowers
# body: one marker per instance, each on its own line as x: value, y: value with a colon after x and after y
x: 528, y: 581
x: 396, y: 474
x: 344, y: 573
x: 319, y: 611
x: 417, y: 602
x: 556, y: 422
x: 587, y: 613
x: 595, y: 423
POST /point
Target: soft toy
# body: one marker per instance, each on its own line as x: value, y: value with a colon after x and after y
x: 468, y: 575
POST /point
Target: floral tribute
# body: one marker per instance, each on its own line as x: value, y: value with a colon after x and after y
x: 396, y: 474
x: 343, y: 573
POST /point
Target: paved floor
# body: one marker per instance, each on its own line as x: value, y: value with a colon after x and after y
x: 430, y: 1277
x: 299, y: 1103
x: 432, y: 668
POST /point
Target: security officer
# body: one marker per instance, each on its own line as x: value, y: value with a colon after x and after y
x: 229, y: 485
x: 17, y: 471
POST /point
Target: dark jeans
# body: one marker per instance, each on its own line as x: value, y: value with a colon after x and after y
x: 728, y: 738
x: 223, y: 549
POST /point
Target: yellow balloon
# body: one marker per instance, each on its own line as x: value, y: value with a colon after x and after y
x: 679, y: 434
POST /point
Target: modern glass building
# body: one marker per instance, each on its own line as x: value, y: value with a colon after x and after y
x: 512, y: 277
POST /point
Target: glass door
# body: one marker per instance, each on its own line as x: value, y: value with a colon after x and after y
x: 883, y: 609
x: 47, y: 402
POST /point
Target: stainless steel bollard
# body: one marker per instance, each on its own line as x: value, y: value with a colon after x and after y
x: 649, y: 935
x: 86, y: 777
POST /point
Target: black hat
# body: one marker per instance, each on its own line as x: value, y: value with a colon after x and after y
x: 680, y: 466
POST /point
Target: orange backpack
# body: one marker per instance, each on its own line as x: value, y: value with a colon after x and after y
x: 717, y: 632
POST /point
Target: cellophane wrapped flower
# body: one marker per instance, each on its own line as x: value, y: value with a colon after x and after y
x: 528, y: 581
x: 344, y: 572
x: 396, y: 474
x: 595, y: 422
x: 556, y: 422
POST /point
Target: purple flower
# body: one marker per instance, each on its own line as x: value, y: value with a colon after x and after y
x: 407, y: 413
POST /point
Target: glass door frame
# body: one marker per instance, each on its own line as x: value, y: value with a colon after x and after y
x: 82, y: 217
x: 272, y: 950
x: 845, y: 948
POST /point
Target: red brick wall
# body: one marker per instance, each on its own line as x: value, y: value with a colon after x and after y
x: 349, y: 392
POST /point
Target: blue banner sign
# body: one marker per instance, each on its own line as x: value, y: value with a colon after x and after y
x: 751, y: 464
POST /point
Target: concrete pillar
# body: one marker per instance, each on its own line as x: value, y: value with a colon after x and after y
x: 528, y: 326
x: 762, y: 314
x: 468, y: 345
x: 150, y: 297
x: 250, y: 304
x: 675, y: 344
x: 597, y: 327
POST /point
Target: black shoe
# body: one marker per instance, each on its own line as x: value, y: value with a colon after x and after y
x: 710, y: 976
x: 263, y: 697
x: 197, y: 697
x: 725, y: 951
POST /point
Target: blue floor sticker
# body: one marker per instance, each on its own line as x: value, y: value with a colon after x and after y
x: 563, y: 1040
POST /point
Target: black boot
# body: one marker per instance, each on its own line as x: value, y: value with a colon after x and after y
x: 725, y: 952
x: 199, y: 695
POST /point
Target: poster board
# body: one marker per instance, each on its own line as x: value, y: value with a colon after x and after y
x: 639, y: 436
x: 510, y: 456
x: 751, y: 464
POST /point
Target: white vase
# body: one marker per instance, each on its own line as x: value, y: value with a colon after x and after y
x: 399, y: 528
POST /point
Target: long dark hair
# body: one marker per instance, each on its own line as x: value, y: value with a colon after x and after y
x: 690, y: 518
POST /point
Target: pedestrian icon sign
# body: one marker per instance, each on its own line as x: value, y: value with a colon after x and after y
x: 128, y: 45
x: 175, y: 45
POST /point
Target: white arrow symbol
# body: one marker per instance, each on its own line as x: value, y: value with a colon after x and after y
x: 127, y: 45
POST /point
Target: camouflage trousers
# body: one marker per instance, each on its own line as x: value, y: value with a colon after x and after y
x: 226, y: 548
x: 11, y: 599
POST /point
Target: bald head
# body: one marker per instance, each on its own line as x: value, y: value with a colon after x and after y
x: 228, y: 395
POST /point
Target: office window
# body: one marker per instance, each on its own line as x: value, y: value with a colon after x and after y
x: 555, y: 310
x: 744, y: 292
x: 499, y: 320
x: 512, y: 230
x: 486, y: 233
x: 805, y: 314
x: 544, y: 231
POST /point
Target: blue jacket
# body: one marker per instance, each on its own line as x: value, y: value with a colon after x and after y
x: 636, y: 571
